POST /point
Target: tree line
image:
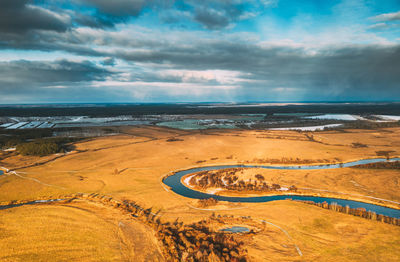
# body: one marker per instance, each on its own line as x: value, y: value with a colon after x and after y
x: 44, y: 147
x: 359, y: 212
x: 182, y: 242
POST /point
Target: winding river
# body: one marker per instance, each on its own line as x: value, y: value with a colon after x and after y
x: 175, y: 184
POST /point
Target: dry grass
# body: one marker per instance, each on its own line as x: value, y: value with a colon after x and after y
x: 73, y: 232
x: 144, y: 156
x: 323, y: 235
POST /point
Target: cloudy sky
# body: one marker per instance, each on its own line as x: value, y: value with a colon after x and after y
x: 198, y: 51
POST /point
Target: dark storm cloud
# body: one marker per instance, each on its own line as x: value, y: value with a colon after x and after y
x: 109, y: 13
x: 109, y: 61
x: 336, y: 71
x: 212, y: 14
x: 69, y: 41
x: 216, y: 14
x: 93, y: 21
x: 19, y: 16
x: 154, y: 77
x: 24, y: 74
x: 330, y: 70
x: 211, y: 18
x: 119, y: 8
x: 49, y: 81
x: 219, y: 14
x: 146, y: 54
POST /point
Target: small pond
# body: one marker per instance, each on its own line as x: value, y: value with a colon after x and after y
x: 235, y: 229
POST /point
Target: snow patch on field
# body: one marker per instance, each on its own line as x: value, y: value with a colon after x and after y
x: 214, y: 190
x: 307, y: 128
x: 389, y: 117
x: 345, y: 117
x: 187, y: 179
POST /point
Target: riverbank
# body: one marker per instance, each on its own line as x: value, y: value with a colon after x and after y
x: 299, y: 192
x: 182, y: 178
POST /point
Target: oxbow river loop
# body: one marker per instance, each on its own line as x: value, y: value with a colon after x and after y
x: 175, y: 184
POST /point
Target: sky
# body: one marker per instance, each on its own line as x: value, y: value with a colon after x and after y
x: 86, y: 51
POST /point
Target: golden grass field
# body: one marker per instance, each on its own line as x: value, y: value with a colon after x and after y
x: 131, y: 166
x: 74, y: 232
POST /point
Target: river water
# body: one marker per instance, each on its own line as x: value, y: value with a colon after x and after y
x: 174, y: 182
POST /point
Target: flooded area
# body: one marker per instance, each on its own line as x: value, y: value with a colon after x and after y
x: 389, y: 117
x: 69, y: 121
x: 205, y: 117
x: 207, y: 122
x: 191, y: 124
x: 345, y: 117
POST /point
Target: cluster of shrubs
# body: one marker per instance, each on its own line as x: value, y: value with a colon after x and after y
x: 287, y: 160
x: 228, y: 179
x: 182, y: 242
x: 369, y: 124
x: 43, y: 147
x: 381, y: 165
x: 38, y: 148
x: 196, y: 242
x: 358, y: 145
x: 385, y: 153
x: 36, y: 142
x: 11, y: 138
x: 207, y: 202
x: 257, y: 186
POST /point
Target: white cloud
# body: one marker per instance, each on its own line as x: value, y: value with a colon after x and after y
x: 387, y: 17
x: 378, y: 26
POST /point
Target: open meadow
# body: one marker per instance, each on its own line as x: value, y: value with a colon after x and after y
x: 131, y: 166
